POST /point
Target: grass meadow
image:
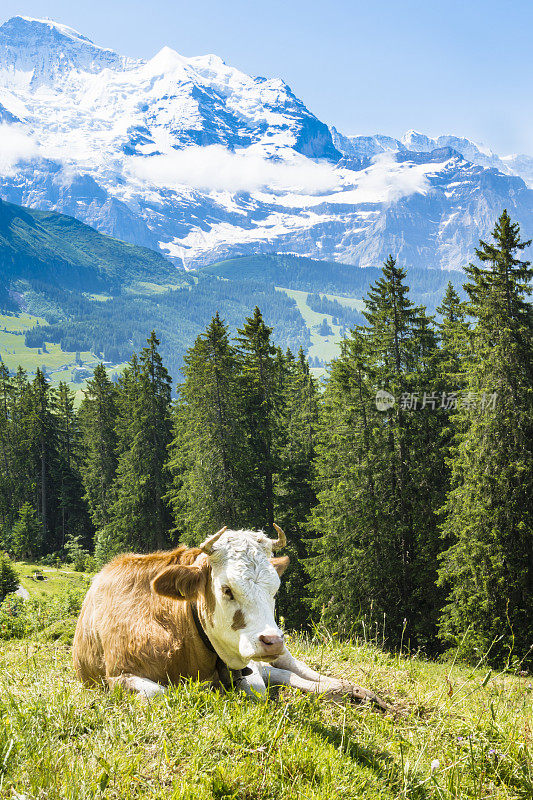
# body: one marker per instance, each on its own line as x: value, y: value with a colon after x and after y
x: 324, y: 347
x: 458, y: 732
x: 58, y: 363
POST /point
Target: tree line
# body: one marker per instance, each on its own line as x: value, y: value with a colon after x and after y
x: 405, y: 486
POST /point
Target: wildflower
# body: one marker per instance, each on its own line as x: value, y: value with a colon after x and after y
x: 435, y: 764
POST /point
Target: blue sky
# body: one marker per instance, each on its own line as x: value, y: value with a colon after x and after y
x: 372, y: 67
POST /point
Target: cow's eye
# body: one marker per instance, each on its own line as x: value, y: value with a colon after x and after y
x: 226, y: 591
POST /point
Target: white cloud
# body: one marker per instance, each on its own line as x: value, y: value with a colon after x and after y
x: 387, y: 180
x: 15, y: 146
x: 302, y: 181
x: 213, y: 168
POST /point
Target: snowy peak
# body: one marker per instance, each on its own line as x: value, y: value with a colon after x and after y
x: 21, y: 24
x: 34, y: 52
x: 194, y: 157
x: 418, y: 142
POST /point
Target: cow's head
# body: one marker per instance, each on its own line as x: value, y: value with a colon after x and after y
x: 234, y: 580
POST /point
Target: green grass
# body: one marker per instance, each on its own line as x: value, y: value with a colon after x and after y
x: 148, y: 289
x: 350, y: 302
x: 58, y: 363
x: 56, y: 579
x: 325, y: 347
x: 60, y: 740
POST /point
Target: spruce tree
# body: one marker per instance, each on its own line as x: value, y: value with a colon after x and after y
x: 73, y: 518
x: 380, y: 474
x: 9, y: 580
x: 295, y: 491
x: 98, y: 418
x: 6, y: 476
x: 488, y: 569
x: 260, y: 388
x: 22, y: 462
x: 207, y: 448
x: 354, y: 565
x: 26, y: 535
x: 392, y: 321
x: 44, y: 457
x: 454, y: 339
x: 140, y: 517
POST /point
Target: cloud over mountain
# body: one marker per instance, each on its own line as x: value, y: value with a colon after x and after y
x: 16, y: 146
x: 194, y: 157
x: 215, y: 168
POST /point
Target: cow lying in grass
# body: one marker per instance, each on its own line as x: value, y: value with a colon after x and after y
x: 203, y: 612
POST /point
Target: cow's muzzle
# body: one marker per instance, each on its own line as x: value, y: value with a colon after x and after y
x: 271, y: 645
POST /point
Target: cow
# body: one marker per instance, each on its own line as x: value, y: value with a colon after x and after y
x: 207, y: 613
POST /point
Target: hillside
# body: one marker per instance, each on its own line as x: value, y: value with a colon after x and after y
x: 308, y: 274
x: 110, y: 323
x: 60, y: 251
x: 461, y: 733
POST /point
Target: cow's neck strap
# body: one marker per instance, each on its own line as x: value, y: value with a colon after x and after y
x: 221, y: 666
x: 200, y: 628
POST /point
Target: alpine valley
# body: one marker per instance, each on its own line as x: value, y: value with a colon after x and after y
x: 244, y: 194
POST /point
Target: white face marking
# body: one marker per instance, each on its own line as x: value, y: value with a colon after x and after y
x: 243, y: 579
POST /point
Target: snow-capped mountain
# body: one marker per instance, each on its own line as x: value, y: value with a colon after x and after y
x: 196, y: 158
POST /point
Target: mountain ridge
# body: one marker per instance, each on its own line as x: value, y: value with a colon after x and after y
x: 60, y: 251
x: 198, y: 160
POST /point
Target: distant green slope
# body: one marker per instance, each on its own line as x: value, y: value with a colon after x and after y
x: 59, y: 250
x: 308, y: 274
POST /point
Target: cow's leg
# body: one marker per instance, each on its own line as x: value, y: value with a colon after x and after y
x: 287, y: 661
x: 316, y: 682
x: 252, y: 684
x: 274, y: 676
x: 133, y: 683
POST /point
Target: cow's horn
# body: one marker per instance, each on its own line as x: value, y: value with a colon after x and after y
x: 281, y: 541
x: 207, y: 546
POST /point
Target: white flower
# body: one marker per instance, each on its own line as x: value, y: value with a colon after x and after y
x: 435, y: 764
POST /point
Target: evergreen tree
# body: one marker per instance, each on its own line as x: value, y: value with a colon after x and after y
x: 73, y: 518
x: 488, y: 569
x: 393, y: 343
x: 295, y: 491
x: 354, y: 563
x: 8, y: 576
x: 380, y: 475
x: 6, y: 477
x: 26, y: 535
x: 262, y: 397
x: 207, y: 449
x: 21, y: 461
x: 98, y: 418
x: 140, y: 516
x: 44, y: 457
x: 454, y: 339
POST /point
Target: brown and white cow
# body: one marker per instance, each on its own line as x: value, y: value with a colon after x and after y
x: 150, y: 620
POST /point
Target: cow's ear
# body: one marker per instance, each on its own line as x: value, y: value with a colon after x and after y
x: 180, y: 581
x: 280, y: 564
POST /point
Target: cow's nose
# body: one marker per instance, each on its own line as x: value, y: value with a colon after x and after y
x: 272, y: 643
